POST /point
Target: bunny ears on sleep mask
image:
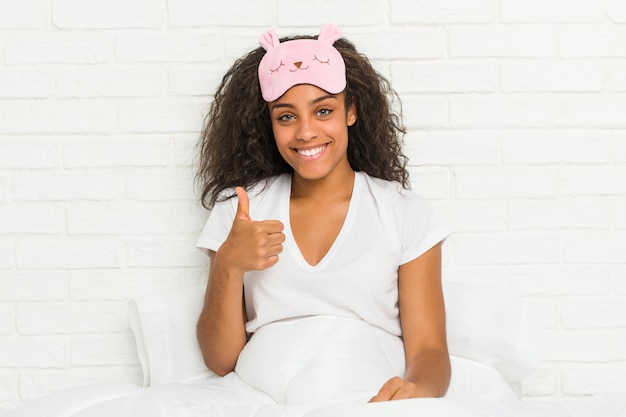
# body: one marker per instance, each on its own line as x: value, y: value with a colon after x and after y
x: 301, y: 61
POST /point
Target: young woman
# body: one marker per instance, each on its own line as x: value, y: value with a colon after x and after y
x: 312, y: 221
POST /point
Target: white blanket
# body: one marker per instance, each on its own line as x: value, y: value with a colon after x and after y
x: 199, y: 399
x: 320, y: 367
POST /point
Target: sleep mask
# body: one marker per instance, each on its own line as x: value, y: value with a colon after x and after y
x: 301, y: 61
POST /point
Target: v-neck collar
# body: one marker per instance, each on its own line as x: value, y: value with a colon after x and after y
x: 292, y: 245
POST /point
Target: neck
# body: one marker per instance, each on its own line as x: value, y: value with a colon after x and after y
x: 338, y: 186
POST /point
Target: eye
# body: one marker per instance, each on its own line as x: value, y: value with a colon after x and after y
x: 324, y: 112
x: 285, y: 118
x: 277, y: 68
x: 315, y: 58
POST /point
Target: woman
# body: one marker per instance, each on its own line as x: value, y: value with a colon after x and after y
x: 301, y: 163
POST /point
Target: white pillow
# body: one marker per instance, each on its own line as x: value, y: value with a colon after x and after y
x: 164, y: 325
x: 493, y: 327
x: 483, y: 324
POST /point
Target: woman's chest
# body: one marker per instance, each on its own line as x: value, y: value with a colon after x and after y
x: 316, y: 227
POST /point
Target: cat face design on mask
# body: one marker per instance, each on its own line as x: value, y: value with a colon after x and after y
x: 301, y: 61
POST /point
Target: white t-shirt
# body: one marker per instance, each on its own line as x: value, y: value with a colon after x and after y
x: 385, y: 227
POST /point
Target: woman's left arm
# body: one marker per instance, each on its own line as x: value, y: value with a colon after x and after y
x: 422, y: 316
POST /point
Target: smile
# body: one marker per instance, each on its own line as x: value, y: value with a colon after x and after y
x: 309, y: 153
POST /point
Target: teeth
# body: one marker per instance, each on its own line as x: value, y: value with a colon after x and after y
x: 310, y: 152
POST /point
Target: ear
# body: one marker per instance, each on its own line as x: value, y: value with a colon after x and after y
x: 269, y: 40
x: 351, y: 115
x: 329, y: 34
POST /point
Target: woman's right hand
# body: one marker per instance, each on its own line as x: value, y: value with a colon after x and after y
x: 251, y: 245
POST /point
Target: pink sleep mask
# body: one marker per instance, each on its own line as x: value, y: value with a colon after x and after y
x: 301, y: 61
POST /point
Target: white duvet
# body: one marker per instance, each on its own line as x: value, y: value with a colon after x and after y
x: 209, y: 399
x: 314, y: 367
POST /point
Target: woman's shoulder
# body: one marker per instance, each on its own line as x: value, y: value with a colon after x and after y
x: 270, y: 186
x: 267, y: 189
x: 392, y: 198
x: 259, y: 188
x: 387, y: 190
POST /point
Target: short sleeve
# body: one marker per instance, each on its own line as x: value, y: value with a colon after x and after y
x: 217, y: 226
x: 418, y: 226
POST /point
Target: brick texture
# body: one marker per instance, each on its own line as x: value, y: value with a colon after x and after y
x: 517, y: 135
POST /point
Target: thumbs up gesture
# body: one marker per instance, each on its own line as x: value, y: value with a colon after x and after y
x: 243, y: 206
x: 251, y: 245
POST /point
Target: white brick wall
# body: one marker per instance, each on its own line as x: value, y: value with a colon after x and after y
x: 517, y: 135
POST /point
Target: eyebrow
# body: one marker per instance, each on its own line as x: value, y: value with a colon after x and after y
x: 317, y: 100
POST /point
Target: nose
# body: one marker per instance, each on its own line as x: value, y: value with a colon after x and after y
x: 306, y: 129
x: 298, y: 64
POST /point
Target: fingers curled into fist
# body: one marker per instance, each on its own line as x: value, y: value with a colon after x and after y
x: 252, y: 245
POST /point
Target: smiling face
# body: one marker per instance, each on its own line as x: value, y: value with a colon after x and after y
x: 311, y: 131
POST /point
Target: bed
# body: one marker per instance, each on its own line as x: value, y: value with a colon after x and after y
x: 494, y: 341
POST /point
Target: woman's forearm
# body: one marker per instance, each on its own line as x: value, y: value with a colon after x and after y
x: 430, y: 372
x: 221, y: 326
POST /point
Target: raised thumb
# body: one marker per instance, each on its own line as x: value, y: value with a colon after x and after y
x: 243, y: 206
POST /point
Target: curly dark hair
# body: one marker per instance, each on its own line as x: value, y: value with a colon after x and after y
x: 237, y: 146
